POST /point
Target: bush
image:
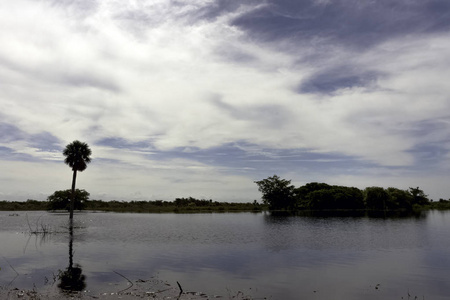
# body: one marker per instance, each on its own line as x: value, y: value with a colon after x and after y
x: 61, y: 200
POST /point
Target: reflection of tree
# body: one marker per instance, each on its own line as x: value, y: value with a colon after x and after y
x: 72, y: 278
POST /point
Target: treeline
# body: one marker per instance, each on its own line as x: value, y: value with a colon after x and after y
x: 30, y: 204
x: 59, y: 200
x: 179, y: 205
x: 279, y: 194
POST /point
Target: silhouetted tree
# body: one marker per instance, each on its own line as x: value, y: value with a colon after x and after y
x: 277, y: 193
x: 303, y: 193
x: 61, y: 199
x: 376, y: 198
x: 336, y: 197
x: 321, y: 196
x: 77, y: 157
x: 419, y: 196
x: 399, y: 199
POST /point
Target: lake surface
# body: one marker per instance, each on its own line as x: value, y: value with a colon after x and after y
x: 261, y: 255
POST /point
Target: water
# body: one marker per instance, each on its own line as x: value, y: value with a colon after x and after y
x: 222, y: 254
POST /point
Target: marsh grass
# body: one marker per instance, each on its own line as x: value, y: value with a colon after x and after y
x: 40, y: 228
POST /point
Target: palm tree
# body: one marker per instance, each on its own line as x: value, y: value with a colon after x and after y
x: 77, y: 157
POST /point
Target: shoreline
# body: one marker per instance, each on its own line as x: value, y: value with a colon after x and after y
x: 142, y: 289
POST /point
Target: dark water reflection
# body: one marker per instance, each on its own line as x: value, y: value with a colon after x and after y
x: 71, y: 279
x: 263, y: 255
x: 349, y: 214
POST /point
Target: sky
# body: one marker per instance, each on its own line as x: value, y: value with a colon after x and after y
x: 180, y: 98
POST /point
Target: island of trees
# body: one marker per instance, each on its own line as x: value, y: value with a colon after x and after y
x: 278, y: 194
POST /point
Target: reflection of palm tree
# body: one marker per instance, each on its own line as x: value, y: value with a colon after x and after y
x: 77, y: 157
x: 72, y: 278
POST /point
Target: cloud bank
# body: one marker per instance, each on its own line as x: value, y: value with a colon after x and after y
x: 201, y: 98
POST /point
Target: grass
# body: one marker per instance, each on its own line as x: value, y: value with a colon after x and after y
x: 40, y: 228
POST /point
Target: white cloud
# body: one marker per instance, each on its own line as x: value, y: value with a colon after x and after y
x: 147, y: 71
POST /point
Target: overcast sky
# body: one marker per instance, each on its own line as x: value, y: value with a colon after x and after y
x: 200, y: 98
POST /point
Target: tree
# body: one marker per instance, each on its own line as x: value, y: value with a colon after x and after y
x: 61, y: 199
x: 303, y: 193
x: 322, y: 199
x: 400, y: 199
x: 77, y: 157
x: 419, y: 196
x: 277, y: 193
x: 376, y: 198
x: 318, y: 196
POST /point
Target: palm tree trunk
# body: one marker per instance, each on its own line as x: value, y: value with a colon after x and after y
x: 71, y: 245
x: 72, y: 195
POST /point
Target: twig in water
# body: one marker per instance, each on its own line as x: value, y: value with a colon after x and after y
x: 126, y: 279
x: 26, y: 245
x: 10, y: 265
x: 17, y: 273
x: 37, y: 222
x: 29, y: 226
x: 181, y: 289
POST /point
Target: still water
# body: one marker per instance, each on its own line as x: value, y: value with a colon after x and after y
x: 277, y: 257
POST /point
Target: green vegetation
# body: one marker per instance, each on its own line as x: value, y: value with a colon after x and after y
x: 179, y: 205
x: 442, y: 204
x: 321, y: 196
x: 279, y: 194
x: 59, y: 200
x: 77, y: 157
x: 30, y: 204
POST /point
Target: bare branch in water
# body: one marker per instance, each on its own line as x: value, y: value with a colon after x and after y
x: 127, y: 280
